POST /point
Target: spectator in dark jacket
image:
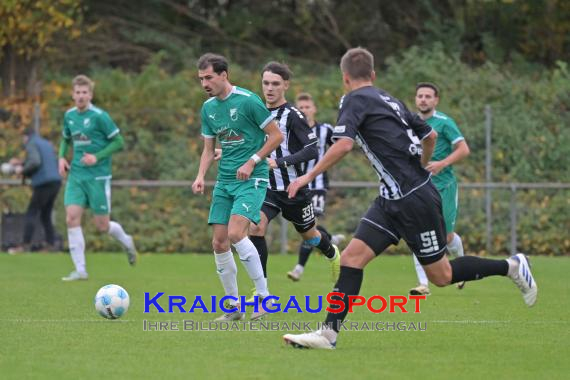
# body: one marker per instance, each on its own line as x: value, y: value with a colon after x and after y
x: 41, y: 166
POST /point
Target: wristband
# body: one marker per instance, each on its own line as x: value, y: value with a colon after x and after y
x: 256, y: 158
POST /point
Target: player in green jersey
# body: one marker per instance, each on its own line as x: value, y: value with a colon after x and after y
x: 450, y: 148
x: 94, y: 137
x: 247, y: 133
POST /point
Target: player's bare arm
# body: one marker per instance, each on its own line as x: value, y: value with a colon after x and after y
x: 428, y: 145
x: 460, y: 151
x: 335, y: 153
x: 274, y: 138
x: 206, y: 160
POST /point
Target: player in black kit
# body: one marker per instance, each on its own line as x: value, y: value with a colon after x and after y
x: 286, y: 162
x: 399, y: 145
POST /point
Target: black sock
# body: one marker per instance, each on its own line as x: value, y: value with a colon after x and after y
x: 323, y: 230
x: 348, y: 283
x: 304, y: 252
x: 325, y: 246
x: 470, y: 268
x: 261, y: 246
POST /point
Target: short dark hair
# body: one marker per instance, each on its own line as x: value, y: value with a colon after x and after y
x: 358, y: 63
x: 304, y: 96
x: 218, y: 62
x: 280, y: 69
x: 428, y: 85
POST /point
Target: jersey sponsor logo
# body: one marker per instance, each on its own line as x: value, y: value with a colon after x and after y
x: 415, y: 147
x: 228, y: 136
x: 340, y: 129
x: 233, y: 114
x: 312, y: 135
x: 79, y: 139
x: 221, y: 130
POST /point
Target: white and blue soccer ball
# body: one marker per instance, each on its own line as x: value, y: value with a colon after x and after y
x: 112, y: 301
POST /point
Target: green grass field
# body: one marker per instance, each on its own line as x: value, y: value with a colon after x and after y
x: 49, y: 329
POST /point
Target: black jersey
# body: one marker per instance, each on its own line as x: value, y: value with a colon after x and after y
x: 389, y: 135
x: 324, y: 133
x: 299, y: 146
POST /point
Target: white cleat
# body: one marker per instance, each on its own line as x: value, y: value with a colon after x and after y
x: 75, y: 276
x: 309, y: 340
x: 522, y: 277
x: 294, y: 275
x: 132, y: 254
x: 257, y: 315
x: 235, y: 315
x: 420, y: 290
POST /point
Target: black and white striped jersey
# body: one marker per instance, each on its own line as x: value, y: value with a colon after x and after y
x: 299, y: 146
x: 324, y: 133
x: 390, y: 137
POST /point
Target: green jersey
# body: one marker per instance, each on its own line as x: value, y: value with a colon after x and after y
x: 448, y: 135
x: 90, y: 131
x: 238, y: 122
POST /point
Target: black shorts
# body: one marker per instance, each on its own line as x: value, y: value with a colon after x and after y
x: 298, y: 210
x: 319, y: 199
x: 416, y: 218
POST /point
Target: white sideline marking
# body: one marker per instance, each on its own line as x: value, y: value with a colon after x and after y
x: 467, y: 321
x: 463, y: 322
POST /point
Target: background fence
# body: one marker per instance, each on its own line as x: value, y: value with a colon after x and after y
x: 494, y: 218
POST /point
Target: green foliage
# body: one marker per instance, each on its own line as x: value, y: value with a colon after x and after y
x: 30, y: 26
x: 158, y: 113
x: 529, y: 112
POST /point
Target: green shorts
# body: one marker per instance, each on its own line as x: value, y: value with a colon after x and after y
x: 243, y: 198
x: 94, y: 193
x: 450, y: 203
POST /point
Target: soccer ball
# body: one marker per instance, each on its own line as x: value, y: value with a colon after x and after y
x: 112, y: 301
x: 7, y: 168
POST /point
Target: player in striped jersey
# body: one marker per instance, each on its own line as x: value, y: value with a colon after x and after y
x: 320, y: 185
x: 399, y: 145
x: 286, y: 162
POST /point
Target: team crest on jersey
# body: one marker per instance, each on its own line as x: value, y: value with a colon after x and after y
x: 86, y: 122
x: 233, y: 114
